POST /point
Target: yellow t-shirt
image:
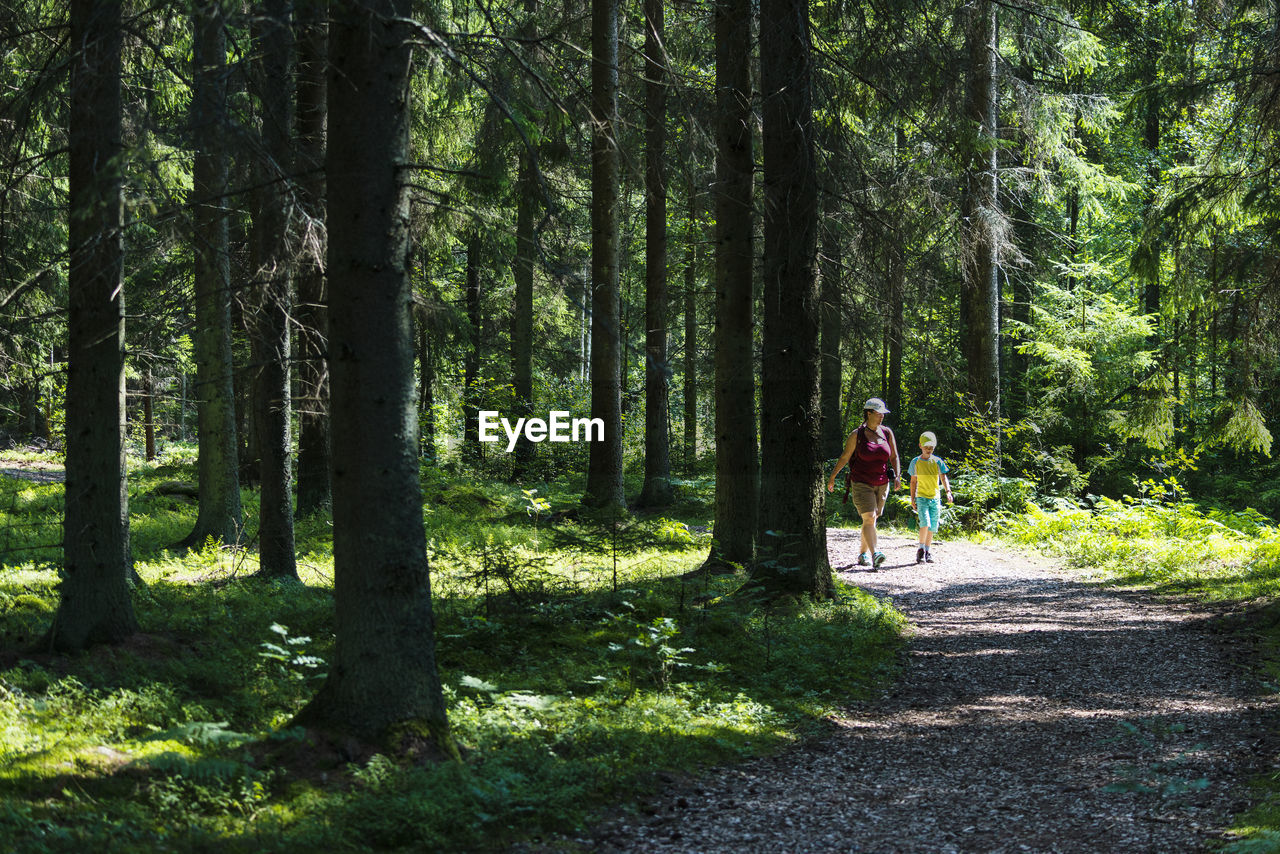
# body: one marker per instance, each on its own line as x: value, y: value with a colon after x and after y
x: 927, y: 474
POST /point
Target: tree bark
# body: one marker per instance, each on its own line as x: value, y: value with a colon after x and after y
x: 604, y: 467
x: 382, y: 684
x: 656, y: 491
x: 980, y: 213
x: 792, y: 552
x: 426, y: 380
x: 896, y: 275
x: 471, y: 450
x: 691, y: 336
x: 1151, y: 140
x: 270, y: 320
x: 312, y: 318
x: 220, y: 515
x: 737, y: 455
x: 522, y: 310
x: 832, y: 368
x: 95, y: 604
x: 527, y: 190
x: 148, y: 416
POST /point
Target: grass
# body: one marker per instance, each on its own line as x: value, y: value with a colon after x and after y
x: 1178, y: 547
x: 1231, y: 559
x: 579, y: 665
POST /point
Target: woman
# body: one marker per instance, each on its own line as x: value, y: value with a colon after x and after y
x: 872, y: 455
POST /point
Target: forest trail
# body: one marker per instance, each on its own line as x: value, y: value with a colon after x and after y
x: 36, y: 472
x: 1035, y: 713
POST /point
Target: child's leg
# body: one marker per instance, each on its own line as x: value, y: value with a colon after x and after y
x: 929, y: 513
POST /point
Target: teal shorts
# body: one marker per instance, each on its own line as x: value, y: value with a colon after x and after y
x: 930, y: 512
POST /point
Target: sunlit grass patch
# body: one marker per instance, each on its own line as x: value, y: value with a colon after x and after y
x: 1176, y: 547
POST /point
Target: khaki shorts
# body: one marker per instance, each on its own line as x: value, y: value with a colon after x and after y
x: 867, y: 497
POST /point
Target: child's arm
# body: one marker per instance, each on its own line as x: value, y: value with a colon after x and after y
x: 913, y: 492
x: 946, y: 483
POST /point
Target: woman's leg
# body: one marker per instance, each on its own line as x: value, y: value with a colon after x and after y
x: 869, y: 532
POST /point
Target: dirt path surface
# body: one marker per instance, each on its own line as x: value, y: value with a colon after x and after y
x: 37, y: 472
x: 1036, y: 713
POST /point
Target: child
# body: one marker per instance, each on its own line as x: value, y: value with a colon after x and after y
x: 927, y: 473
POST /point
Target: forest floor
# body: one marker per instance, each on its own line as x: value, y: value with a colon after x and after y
x: 33, y: 470
x: 1036, y: 711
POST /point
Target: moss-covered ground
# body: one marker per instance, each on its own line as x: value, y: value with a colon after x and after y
x: 580, y: 660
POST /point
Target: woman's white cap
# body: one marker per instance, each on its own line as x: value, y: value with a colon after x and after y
x: 875, y: 404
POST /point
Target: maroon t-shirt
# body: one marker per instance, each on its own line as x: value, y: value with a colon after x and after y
x: 870, y: 461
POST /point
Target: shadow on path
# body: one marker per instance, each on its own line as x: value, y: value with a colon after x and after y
x: 1034, y: 713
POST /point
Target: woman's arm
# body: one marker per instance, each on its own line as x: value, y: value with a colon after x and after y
x: 849, y: 445
x: 893, y: 460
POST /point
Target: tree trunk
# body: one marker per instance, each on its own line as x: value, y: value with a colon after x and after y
x: 1022, y: 284
x: 980, y: 214
x: 737, y: 455
x: 312, y: 319
x: 471, y: 451
x: 382, y: 684
x: 832, y: 368
x: 792, y: 553
x: 522, y: 309
x: 32, y: 420
x: 95, y: 604
x: 896, y: 274
x: 657, y: 371
x: 148, y: 416
x: 270, y: 321
x: 1151, y: 140
x: 604, y: 468
x: 220, y: 516
x: 691, y: 337
x: 527, y: 190
x: 426, y: 386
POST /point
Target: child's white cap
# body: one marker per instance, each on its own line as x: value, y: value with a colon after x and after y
x: 928, y: 440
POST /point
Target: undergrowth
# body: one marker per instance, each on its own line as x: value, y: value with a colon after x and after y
x: 1175, y: 547
x: 579, y: 665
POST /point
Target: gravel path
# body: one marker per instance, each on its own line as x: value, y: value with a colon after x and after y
x: 37, y: 472
x: 1036, y: 713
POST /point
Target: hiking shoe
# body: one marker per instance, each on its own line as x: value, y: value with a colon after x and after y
x: 864, y: 559
x: 928, y: 557
x: 877, y: 559
x: 920, y: 554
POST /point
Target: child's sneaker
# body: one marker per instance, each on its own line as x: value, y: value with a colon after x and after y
x: 920, y: 554
x: 928, y: 557
x: 877, y: 559
x: 864, y: 559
